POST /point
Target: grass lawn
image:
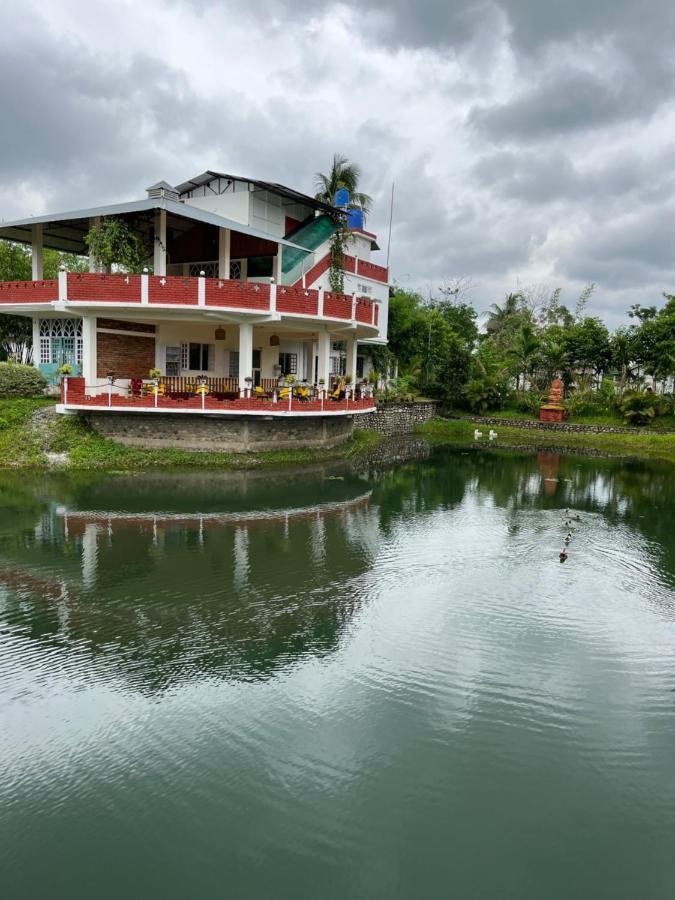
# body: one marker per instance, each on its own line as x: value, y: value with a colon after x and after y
x: 23, y: 446
x: 460, y: 431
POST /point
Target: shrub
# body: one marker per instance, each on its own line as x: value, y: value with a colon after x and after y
x: 526, y: 401
x: 20, y: 381
x: 639, y: 407
x: 3, y: 423
x: 485, y: 394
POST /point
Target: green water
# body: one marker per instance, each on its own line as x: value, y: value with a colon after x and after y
x: 377, y: 683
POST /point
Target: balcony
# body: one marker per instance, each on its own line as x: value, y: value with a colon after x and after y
x: 181, y: 293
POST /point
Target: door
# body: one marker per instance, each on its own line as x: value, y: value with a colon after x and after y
x: 256, y: 366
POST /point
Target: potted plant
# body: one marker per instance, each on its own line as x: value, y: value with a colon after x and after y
x: 155, y: 373
x: 66, y: 370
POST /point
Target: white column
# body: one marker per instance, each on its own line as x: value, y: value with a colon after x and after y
x: 324, y: 358
x: 36, y: 342
x: 245, y: 356
x: 93, y: 265
x: 352, y: 347
x: 36, y: 255
x: 89, y: 350
x: 224, y: 238
x: 276, y: 268
x: 160, y: 242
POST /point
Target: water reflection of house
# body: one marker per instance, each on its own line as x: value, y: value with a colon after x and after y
x: 165, y: 597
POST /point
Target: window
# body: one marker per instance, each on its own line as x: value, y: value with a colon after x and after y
x: 359, y: 366
x: 210, y: 269
x: 234, y: 364
x: 198, y: 357
x: 288, y: 363
x: 337, y: 365
x: 60, y: 342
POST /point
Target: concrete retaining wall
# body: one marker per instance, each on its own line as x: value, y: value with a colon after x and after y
x: 398, y: 418
x: 239, y: 434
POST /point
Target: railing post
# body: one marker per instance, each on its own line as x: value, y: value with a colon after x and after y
x: 320, y: 309
x: 201, y: 289
x: 354, y: 307
x: 64, y: 383
x: 273, y: 295
x: 63, y: 283
x: 145, y: 286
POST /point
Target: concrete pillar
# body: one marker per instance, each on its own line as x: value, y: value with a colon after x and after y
x: 36, y: 342
x: 160, y: 242
x: 93, y: 265
x: 224, y: 239
x: 324, y: 358
x: 36, y: 255
x: 245, y: 356
x: 352, y: 348
x: 89, y: 350
x: 276, y: 265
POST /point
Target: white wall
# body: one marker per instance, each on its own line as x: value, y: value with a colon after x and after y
x: 231, y: 205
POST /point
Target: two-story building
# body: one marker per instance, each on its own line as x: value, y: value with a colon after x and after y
x: 235, y: 298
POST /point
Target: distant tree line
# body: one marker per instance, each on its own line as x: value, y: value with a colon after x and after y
x: 528, y: 340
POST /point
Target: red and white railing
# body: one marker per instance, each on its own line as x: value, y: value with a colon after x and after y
x: 75, y: 394
x: 179, y: 292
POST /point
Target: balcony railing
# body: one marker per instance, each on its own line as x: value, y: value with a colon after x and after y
x: 176, y: 291
x: 75, y: 394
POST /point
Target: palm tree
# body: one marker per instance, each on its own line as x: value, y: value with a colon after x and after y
x: 343, y: 174
x: 502, y: 318
x: 524, y: 352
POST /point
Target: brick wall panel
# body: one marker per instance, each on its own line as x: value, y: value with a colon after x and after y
x: 126, y: 355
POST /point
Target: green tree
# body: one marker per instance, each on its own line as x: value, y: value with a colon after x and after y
x: 587, y: 346
x: 524, y: 352
x: 342, y: 174
x: 112, y: 242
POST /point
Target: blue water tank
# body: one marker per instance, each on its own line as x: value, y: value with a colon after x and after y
x: 342, y: 197
x: 355, y: 219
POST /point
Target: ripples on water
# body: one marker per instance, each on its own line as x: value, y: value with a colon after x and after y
x: 381, y: 685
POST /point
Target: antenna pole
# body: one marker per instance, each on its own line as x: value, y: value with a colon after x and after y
x: 391, y: 217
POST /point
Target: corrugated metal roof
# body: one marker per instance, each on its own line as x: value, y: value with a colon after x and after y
x: 65, y: 231
x: 271, y: 186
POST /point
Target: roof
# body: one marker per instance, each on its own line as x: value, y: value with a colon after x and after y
x: 271, y: 186
x: 66, y: 231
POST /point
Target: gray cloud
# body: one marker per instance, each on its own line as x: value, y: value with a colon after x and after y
x: 529, y: 141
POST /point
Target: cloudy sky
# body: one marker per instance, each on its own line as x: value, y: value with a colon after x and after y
x: 531, y: 142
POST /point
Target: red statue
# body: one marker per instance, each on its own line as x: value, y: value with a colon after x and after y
x: 553, y: 410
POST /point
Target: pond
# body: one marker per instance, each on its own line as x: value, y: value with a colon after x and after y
x: 374, y: 682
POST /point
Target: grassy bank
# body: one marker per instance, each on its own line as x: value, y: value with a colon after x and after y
x: 658, y: 424
x: 28, y: 435
x: 460, y: 432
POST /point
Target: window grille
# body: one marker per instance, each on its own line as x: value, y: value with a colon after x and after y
x: 288, y: 363
x: 60, y: 341
x: 234, y: 364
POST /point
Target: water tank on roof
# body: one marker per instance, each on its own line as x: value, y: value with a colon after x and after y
x: 355, y: 219
x: 341, y: 197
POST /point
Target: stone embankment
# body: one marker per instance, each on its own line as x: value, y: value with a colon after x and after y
x: 398, y: 418
x: 568, y: 427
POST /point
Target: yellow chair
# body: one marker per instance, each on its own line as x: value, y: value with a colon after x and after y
x: 260, y: 393
x: 284, y: 393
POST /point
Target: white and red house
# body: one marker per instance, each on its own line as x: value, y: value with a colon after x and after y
x: 239, y: 294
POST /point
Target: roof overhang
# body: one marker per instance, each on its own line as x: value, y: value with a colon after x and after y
x: 66, y: 231
x: 274, y: 188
